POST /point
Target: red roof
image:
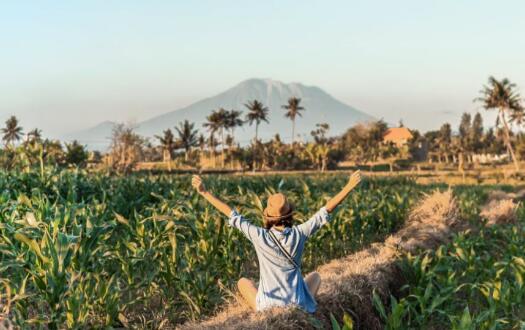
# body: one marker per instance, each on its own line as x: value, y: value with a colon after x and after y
x: 397, y: 134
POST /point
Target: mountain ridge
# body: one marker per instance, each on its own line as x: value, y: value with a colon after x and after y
x: 319, y: 106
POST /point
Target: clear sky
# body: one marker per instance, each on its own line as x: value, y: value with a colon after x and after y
x: 68, y: 65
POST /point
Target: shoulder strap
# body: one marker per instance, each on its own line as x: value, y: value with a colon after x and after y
x: 283, y: 250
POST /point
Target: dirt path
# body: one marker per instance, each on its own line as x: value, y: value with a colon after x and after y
x: 349, y: 282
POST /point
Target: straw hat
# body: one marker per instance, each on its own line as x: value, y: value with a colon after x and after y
x: 277, y: 207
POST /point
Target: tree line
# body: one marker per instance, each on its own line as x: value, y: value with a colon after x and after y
x: 36, y: 151
x: 362, y: 143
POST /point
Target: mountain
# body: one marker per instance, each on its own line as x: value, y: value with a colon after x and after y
x: 95, y: 138
x: 320, y: 108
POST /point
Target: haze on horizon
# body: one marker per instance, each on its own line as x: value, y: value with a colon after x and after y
x: 66, y: 66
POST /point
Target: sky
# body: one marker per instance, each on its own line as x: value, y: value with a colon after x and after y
x: 69, y: 65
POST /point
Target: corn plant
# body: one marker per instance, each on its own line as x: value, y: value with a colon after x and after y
x: 90, y: 250
x: 475, y: 282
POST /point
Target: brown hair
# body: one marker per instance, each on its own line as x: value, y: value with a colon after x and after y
x: 269, y: 223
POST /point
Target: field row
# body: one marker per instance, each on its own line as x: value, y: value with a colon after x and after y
x: 93, y: 250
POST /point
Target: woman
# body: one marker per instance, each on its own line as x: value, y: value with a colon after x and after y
x: 279, y: 248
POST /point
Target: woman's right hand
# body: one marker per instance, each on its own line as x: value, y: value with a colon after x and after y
x: 197, y: 183
x: 355, y: 179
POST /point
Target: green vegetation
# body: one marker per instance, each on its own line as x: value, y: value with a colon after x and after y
x: 475, y: 282
x: 85, y: 249
x: 184, y: 146
x: 94, y: 250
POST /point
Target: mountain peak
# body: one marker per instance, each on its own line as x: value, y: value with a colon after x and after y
x: 269, y: 82
x: 320, y: 107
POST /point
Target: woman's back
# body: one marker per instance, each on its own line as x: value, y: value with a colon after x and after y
x: 281, y: 283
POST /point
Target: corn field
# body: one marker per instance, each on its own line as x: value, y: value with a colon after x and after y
x: 90, y: 250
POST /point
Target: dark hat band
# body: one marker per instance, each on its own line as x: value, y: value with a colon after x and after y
x: 278, y: 217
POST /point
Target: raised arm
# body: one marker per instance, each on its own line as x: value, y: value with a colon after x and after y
x: 236, y: 220
x: 197, y: 183
x: 319, y: 219
x: 354, y: 180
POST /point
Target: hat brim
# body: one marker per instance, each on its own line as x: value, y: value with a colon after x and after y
x: 278, y: 217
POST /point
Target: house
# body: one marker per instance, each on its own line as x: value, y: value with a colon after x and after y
x: 398, y: 136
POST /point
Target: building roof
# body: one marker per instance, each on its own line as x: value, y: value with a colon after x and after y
x: 395, y: 134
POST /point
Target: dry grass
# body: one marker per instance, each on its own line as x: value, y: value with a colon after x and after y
x: 348, y: 283
x: 498, y: 195
x: 6, y: 325
x: 501, y: 207
x: 500, y: 212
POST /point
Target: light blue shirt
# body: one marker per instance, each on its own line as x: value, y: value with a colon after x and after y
x: 280, y: 283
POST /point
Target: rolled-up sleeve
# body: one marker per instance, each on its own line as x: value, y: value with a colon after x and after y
x: 319, y: 219
x: 251, y: 231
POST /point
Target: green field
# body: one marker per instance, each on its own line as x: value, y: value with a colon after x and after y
x: 90, y: 250
x: 475, y: 282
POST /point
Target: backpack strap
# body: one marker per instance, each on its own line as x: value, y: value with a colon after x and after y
x: 283, y: 250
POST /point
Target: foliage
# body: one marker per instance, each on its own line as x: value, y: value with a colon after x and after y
x: 127, y: 148
x: 76, y: 154
x: 364, y: 142
x: 91, y: 250
x: 187, y: 136
x: 233, y: 120
x: 465, y: 141
x: 475, y: 282
x: 217, y: 121
x: 168, y: 144
x: 12, y: 132
x: 32, y: 155
x: 476, y: 133
x: 293, y: 109
x: 257, y: 114
x: 34, y: 136
x: 503, y: 96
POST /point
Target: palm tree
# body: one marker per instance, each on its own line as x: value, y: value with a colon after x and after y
x: 34, y: 135
x: 213, y: 125
x: 187, y: 136
x: 12, y: 132
x: 257, y: 114
x: 218, y: 121
x: 233, y: 120
x: 502, y: 95
x: 201, y: 142
x: 168, y: 144
x: 212, y: 144
x: 517, y: 117
x: 293, y: 110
